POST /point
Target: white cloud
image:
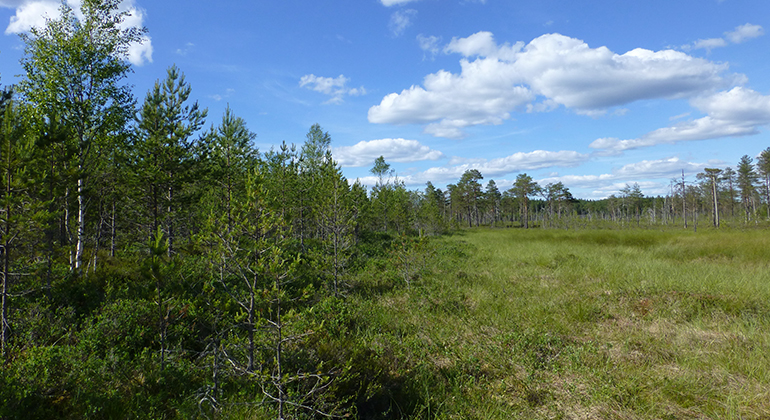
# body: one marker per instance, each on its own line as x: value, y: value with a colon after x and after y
x: 641, y: 172
x: 483, y: 44
x: 33, y: 13
x: 334, y: 87
x: 429, y: 45
x: 571, y: 73
x: 498, y: 79
x: 494, y: 168
x: 679, y: 117
x: 484, y: 93
x: 739, y: 105
x: 140, y: 53
x: 737, y: 112
x: 708, y: 44
x: 517, y: 162
x: 401, y: 20
x: 737, y: 36
x: 388, y: 3
x: 744, y: 32
x: 661, y: 168
x: 394, y: 150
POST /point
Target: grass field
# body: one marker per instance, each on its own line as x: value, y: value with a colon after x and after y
x: 593, y: 324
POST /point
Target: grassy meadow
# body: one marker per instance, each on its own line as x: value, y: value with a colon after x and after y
x: 589, y: 324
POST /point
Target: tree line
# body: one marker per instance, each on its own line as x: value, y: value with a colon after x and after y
x: 739, y: 196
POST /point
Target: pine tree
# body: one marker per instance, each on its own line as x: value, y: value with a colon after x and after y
x: 230, y: 156
x: 747, y: 179
x: 311, y: 163
x: 337, y: 221
x: 22, y: 215
x: 493, y: 196
x: 164, y: 153
x: 524, y: 188
x: 382, y: 192
x: 763, y: 167
x: 469, y: 190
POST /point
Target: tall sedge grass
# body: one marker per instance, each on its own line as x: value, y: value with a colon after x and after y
x: 637, y: 324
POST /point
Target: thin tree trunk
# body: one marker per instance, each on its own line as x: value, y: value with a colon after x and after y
x: 81, y: 232
x: 170, y: 221
x: 112, y: 230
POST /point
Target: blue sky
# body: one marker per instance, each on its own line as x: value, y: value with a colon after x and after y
x: 595, y: 94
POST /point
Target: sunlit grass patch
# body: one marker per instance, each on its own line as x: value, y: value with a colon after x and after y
x: 512, y: 323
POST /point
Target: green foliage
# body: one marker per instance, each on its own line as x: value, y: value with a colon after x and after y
x: 164, y: 154
x: 151, y: 273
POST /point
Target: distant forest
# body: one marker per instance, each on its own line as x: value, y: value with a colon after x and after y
x: 155, y: 266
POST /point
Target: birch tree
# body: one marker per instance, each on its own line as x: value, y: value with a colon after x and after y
x: 74, y: 71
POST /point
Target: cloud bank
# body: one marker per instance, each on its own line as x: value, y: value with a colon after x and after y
x: 737, y: 112
x: 552, y: 70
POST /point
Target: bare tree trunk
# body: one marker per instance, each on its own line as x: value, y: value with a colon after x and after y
x: 684, y: 202
x: 716, y: 202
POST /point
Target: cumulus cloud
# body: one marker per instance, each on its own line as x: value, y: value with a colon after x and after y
x: 737, y: 112
x: 34, y: 13
x: 401, y: 20
x: 572, y: 74
x: 394, y: 150
x: 30, y: 15
x: 484, y: 93
x: 334, y: 87
x: 496, y: 80
x: 483, y: 44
